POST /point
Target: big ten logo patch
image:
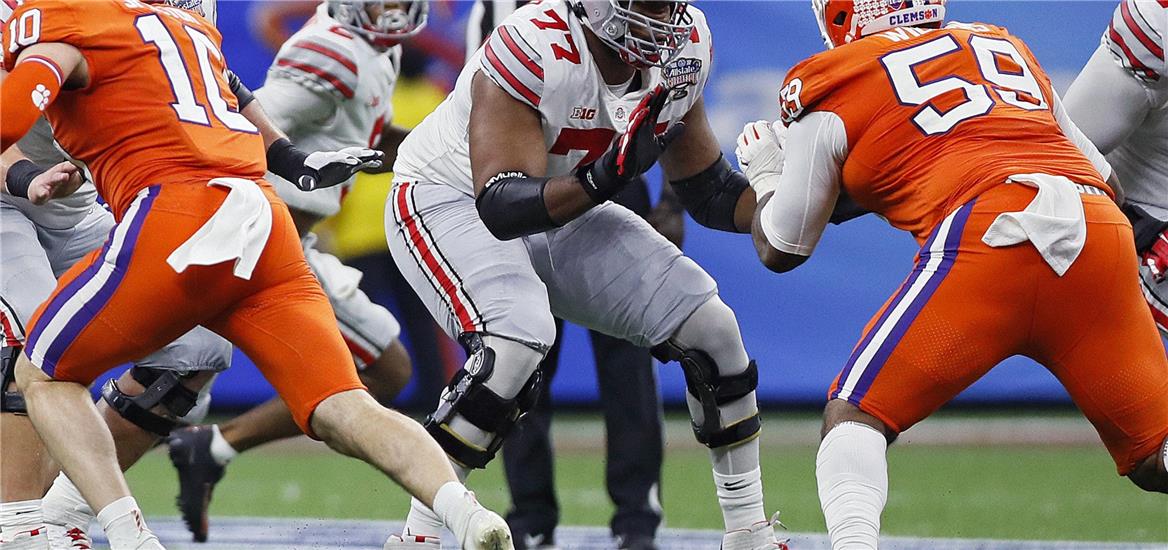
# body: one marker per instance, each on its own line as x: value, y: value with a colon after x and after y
x: 583, y: 113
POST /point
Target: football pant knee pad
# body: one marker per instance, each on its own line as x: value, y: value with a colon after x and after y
x: 467, y: 396
x: 163, y: 387
x: 11, y: 401
x: 713, y: 390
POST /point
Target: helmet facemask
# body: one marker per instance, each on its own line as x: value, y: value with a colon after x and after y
x: 394, y: 24
x: 641, y: 40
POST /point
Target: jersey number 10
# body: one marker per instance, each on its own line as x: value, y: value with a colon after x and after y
x: 153, y: 31
x: 1016, y: 88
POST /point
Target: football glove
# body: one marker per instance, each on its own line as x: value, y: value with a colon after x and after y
x: 328, y: 168
x: 760, y: 155
x: 1155, y: 258
x: 635, y: 151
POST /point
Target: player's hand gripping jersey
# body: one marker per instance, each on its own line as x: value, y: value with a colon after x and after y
x: 161, y: 119
x: 539, y: 56
x: 328, y: 90
x: 935, y: 117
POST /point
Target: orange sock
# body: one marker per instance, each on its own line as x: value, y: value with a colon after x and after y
x: 31, y: 86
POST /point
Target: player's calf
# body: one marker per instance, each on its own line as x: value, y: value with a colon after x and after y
x: 388, y: 375
x: 852, y: 474
x: 1152, y: 474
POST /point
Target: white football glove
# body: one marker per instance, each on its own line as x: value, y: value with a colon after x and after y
x: 760, y: 154
x: 328, y: 168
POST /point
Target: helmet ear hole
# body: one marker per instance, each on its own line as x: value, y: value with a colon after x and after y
x: 840, y: 18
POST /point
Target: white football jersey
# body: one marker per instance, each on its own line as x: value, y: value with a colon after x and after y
x: 40, y: 147
x: 358, y: 79
x: 540, y: 57
x: 1137, y: 38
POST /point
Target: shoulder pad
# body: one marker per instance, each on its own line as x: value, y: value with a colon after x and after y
x: 320, y: 59
x: 514, y: 63
x: 1136, y: 38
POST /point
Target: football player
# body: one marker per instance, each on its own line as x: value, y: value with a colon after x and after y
x: 500, y: 217
x: 328, y: 88
x: 954, y: 134
x: 199, y: 239
x: 1120, y: 101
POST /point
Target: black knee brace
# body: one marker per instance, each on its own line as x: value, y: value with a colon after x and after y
x: 711, y: 390
x: 11, y: 401
x: 163, y: 387
x: 468, y: 396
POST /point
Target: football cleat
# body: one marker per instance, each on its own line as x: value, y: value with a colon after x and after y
x: 485, y: 530
x: 68, y: 538
x: 408, y: 541
x: 198, y: 472
x: 760, y: 536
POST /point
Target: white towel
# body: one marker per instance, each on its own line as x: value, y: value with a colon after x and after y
x: 1053, y: 221
x: 339, y: 280
x: 237, y: 231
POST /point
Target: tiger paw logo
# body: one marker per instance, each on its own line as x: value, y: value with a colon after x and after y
x: 40, y: 96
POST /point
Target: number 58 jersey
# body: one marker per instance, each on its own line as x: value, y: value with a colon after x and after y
x: 156, y: 109
x: 934, y: 117
x: 538, y: 55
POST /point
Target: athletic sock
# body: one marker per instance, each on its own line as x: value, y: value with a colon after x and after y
x: 740, y: 496
x: 221, y: 450
x: 455, y: 504
x: 423, y: 521
x: 64, y: 506
x: 22, y: 526
x: 852, y: 473
x: 124, y: 526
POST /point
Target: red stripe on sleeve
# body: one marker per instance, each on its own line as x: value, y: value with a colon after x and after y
x: 510, y: 78
x: 1139, y: 32
x: 327, y: 52
x: 1131, y: 58
x: 340, y: 86
x: 519, y: 54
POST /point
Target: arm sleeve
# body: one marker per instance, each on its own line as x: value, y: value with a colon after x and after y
x: 513, y: 65
x: 291, y: 105
x: 794, y: 218
x: 1106, y: 102
x: 1076, y: 136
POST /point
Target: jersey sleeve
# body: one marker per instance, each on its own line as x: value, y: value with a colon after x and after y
x: 809, y: 84
x: 514, y: 65
x: 319, y: 63
x: 1136, y: 39
x: 41, y: 22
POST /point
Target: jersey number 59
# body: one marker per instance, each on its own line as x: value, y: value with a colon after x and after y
x: 1017, y: 88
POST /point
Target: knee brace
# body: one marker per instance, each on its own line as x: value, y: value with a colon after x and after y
x: 468, y: 396
x: 712, y: 390
x: 11, y: 401
x: 163, y: 387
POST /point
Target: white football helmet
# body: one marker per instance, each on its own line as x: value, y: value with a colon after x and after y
x: 206, y: 8
x: 399, y: 21
x: 641, y: 40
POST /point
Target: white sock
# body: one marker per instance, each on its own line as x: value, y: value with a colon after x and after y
x: 221, y: 450
x: 22, y: 526
x: 455, y: 504
x: 740, y: 496
x: 852, y: 473
x: 64, y: 506
x: 423, y: 521
x: 124, y: 526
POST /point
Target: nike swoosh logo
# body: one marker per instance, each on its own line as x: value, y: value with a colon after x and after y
x: 734, y: 486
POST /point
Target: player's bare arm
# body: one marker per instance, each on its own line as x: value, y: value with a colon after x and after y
x: 715, y: 195
x: 391, y: 138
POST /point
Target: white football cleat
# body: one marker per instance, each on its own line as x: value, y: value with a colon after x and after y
x: 760, y: 536
x: 409, y: 541
x: 485, y: 530
x: 63, y: 538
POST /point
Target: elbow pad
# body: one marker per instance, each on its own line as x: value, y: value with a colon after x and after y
x: 511, y: 205
x: 711, y: 196
x: 242, y: 93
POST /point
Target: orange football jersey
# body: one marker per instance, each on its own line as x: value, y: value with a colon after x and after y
x: 157, y: 108
x: 934, y: 117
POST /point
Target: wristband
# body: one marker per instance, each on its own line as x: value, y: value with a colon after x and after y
x: 286, y: 161
x: 600, y: 183
x: 20, y: 176
x: 242, y: 94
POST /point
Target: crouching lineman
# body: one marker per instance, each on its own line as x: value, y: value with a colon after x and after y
x: 329, y: 88
x: 1016, y: 223
x: 199, y: 239
x: 1120, y: 101
x: 499, y: 218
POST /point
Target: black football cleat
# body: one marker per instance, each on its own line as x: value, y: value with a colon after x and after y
x: 198, y: 472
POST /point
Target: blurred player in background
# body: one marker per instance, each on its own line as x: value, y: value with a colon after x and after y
x: 946, y: 133
x: 500, y: 217
x: 629, y: 393
x: 191, y: 245
x: 1120, y: 101
x: 328, y: 88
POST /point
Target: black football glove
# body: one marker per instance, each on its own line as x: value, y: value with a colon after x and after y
x: 322, y: 168
x: 635, y: 151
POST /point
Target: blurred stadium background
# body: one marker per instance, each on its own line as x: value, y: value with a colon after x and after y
x: 1011, y: 459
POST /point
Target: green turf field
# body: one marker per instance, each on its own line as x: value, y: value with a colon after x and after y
x: 1007, y: 492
